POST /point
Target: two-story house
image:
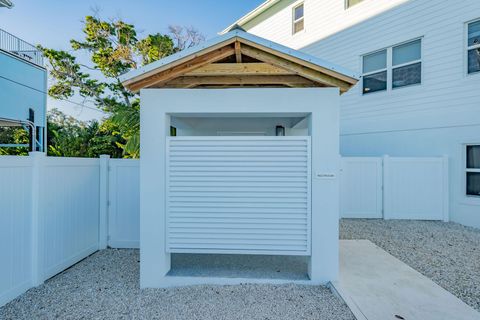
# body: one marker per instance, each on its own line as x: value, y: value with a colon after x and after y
x: 23, y: 86
x: 420, y: 88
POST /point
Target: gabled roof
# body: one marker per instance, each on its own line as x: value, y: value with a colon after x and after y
x: 251, y: 15
x: 238, y: 58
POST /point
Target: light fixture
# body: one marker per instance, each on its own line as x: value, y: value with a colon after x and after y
x: 280, y: 131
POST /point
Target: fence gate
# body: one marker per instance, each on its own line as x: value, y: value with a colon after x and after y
x: 361, y: 187
x: 238, y: 195
x: 394, y: 188
x: 124, y: 203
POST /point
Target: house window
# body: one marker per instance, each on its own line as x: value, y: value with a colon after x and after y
x: 375, y: 72
x: 473, y: 170
x: 394, y: 67
x: 406, y: 64
x: 473, y: 47
x: 350, y: 3
x: 298, y: 19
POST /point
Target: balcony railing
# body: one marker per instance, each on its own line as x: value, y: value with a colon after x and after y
x: 20, y: 48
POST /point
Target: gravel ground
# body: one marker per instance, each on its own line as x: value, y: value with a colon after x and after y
x: 105, y: 286
x: 447, y: 253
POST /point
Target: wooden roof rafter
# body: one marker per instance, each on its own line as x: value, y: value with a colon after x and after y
x: 239, y: 60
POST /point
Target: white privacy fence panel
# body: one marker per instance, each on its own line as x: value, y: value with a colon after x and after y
x: 68, y: 212
x: 361, y: 182
x: 49, y: 218
x: 401, y: 188
x: 15, y: 226
x: 416, y: 188
x: 238, y: 195
x: 124, y: 203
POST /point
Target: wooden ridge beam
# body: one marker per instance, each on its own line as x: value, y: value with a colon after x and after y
x: 160, y: 78
x: 238, y: 69
x: 301, y: 70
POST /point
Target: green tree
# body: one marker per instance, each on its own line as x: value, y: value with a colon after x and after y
x: 69, y: 137
x: 13, y: 135
x: 114, y: 48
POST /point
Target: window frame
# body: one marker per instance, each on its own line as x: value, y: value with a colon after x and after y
x: 364, y: 74
x: 390, y: 67
x: 295, y: 21
x: 408, y: 63
x: 468, y: 48
x: 467, y: 170
x: 347, y: 6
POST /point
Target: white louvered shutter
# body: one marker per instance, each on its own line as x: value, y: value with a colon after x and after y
x: 238, y: 195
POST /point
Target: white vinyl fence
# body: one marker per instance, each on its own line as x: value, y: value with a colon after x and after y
x: 361, y: 184
x: 15, y: 227
x: 67, y: 212
x: 124, y: 203
x: 57, y: 211
x: 49, y: 218
x: 394, y: 188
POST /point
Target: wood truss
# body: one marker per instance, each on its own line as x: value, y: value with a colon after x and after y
x: 238, y: 62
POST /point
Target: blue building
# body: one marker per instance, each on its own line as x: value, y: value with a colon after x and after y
x: 23, y: 88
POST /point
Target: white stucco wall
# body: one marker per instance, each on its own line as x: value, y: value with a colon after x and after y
x: 158, y: 105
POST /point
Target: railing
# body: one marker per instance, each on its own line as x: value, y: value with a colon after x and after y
x: 20, y: 48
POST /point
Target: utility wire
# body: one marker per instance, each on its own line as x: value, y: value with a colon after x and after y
x: 66, y: 100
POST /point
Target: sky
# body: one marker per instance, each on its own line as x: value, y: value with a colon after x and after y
x: 52, y: 23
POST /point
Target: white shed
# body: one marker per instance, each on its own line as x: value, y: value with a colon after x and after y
x: 239, y: 155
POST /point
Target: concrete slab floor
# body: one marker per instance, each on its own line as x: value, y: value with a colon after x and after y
x: 239, y: 266
x: 377, y: 286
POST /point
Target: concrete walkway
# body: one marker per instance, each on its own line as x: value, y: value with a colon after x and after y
x: 377, y: 286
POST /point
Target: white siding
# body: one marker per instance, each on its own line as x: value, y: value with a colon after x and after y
x: 322, y: 19
x: 238, y: 195
x: 431, y: 119
x: 22, y: 86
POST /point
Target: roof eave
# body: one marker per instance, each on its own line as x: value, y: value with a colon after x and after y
x: 178, y: 58
x: 251, y: 15
x: 7, y: 4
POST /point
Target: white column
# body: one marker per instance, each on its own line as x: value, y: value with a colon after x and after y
x: 324, y: 130
x: 155, y: 127
x: 36, y: 243
x: 104, y: 203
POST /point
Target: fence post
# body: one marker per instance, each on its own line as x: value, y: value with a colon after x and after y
x: 36, y: 244
x: 386, y: 168
x: 446, y: 194
x: 103, y: 219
